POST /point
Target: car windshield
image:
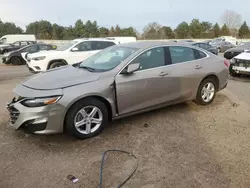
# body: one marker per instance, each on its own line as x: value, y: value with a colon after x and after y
x: 107, y: 59
x: 66, y: 46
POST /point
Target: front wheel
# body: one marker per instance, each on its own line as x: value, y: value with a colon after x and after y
x: 56, y: 64
x: 206, y: 92
x: 16, y: 61
x: 86, y: 118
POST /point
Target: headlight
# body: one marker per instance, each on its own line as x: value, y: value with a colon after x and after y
x: 38, y: 58
x: 38, y: 102
x: 232, y: 61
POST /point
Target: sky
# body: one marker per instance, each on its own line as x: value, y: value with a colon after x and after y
x: 107, y: 13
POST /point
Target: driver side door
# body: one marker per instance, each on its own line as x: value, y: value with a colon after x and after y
x: 146, y: 87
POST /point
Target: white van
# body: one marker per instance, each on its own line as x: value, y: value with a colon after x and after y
x: 8, y: 39
x: 122, y: 40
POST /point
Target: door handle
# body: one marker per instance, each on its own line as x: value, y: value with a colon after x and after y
x: 198, y: 67
x: 163, y: 74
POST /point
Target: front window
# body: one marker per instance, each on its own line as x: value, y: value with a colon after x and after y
x: 66, y: 46
x: 108, y: 58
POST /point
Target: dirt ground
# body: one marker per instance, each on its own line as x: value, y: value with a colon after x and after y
x: 179, y: 146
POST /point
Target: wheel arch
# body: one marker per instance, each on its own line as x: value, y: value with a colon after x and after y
x: 57, y: 60
x: 213, y: 76
x: 97, y: 97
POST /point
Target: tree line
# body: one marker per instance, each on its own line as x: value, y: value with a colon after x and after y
x: 195, y: 29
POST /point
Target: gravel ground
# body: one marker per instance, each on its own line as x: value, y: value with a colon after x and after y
x: 179, y: 146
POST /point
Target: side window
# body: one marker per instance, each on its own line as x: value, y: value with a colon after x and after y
x: 181, y: 54
x: 199, y: 54
x: 204, y: 46
x: 44, y: 47
x: 16, y: 43
x: 151, y: 59
x: 24, y: 43
x: 99, y: 45
x: 31, y: 49
x: 84, y: 46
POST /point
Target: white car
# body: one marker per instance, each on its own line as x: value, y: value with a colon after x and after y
x: 69, y: 53
x: 240, y: 64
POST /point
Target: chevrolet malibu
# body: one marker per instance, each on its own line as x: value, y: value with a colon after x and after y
x: 121, y: 80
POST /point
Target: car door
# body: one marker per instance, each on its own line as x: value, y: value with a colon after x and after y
x: 185, y: 71
x: 146, y: 87
x: 80, y: 52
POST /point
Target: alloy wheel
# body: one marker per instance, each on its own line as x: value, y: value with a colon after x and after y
x: 207, y: 92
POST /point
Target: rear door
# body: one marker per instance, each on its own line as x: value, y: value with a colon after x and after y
x: 185, y: 72
x: 146, y: 87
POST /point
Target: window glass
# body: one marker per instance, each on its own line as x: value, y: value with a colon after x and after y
x: 44, y: 47
x: 181, y: 54
x: 199, y: 54
x: 151, y: 58
x: 16, y: 43
x: 84, y: 46
x: 31, y: 49
x: 99, y: 45
x: 24, y: 43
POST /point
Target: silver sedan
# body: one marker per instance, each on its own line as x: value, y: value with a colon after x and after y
x: 119, y: 81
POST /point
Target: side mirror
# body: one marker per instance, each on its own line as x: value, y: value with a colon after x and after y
x: 132, y: 68
x: 74, y: 49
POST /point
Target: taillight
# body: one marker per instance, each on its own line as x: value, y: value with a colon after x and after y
x: 226, y: 62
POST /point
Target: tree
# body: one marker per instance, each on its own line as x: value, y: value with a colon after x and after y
x: 68, y: 33
x: 225, y: 30
x: 92, y: 29
x: 216, y: 30
x: 57, y: 32
x: 166, y: 33
x: 104, y: 32
x: 79, y: 29
x: 182, y: 30
x: 231, y: 19
x: 117, y: 30
x: 195, y: 28
x: 112, y: 32
x: 130, y: 31
x: 206, y: 27
x: 244, y: 31
x: 151, y: 31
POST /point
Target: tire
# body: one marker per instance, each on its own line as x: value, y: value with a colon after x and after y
x: 200, y: 100
x: 56, y: 64
x: 16, y: 61
x: 75, y: 115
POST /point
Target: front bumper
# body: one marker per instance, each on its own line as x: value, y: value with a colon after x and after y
x: 38, y: 120
x: 36, y: 66
x: 241, y: 70
x: 6, y: 60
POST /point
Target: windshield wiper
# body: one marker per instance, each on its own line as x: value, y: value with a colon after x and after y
x: 87, y: 68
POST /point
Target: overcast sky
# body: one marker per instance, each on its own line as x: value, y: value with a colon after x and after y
x: 136, y: 13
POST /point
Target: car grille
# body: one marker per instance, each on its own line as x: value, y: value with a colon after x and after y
x: 14, y: 114
x: 242, y: 63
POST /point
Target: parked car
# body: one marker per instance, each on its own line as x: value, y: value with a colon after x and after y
x: 222, y: 46
x: 9, y: 39
x: 18, y: 57
x: 240, y: 64
x: 118, y: 81
x: 15, y: 46
x: 230, y: 39
x: 69, y: 53
x: 231, y: 53
x: 206, y: 46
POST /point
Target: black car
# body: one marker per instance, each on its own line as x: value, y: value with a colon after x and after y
x: 18, y: 57
x: 206, y: 46
x: 231, y: 53
x: 15, y: 46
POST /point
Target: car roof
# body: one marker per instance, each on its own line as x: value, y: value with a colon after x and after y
x: 147, y: 44
x: 93, y: 39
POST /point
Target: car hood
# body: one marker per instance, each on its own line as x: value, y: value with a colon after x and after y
x: 61, y: 77
x: 243, y: 56
x: 237, y: 49
x: 45, y: 53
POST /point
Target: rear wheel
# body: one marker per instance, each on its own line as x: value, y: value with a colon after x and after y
x: 206, y: 92
x: 16, y: 61
x: 86, y: 118
x: 56, y: 64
